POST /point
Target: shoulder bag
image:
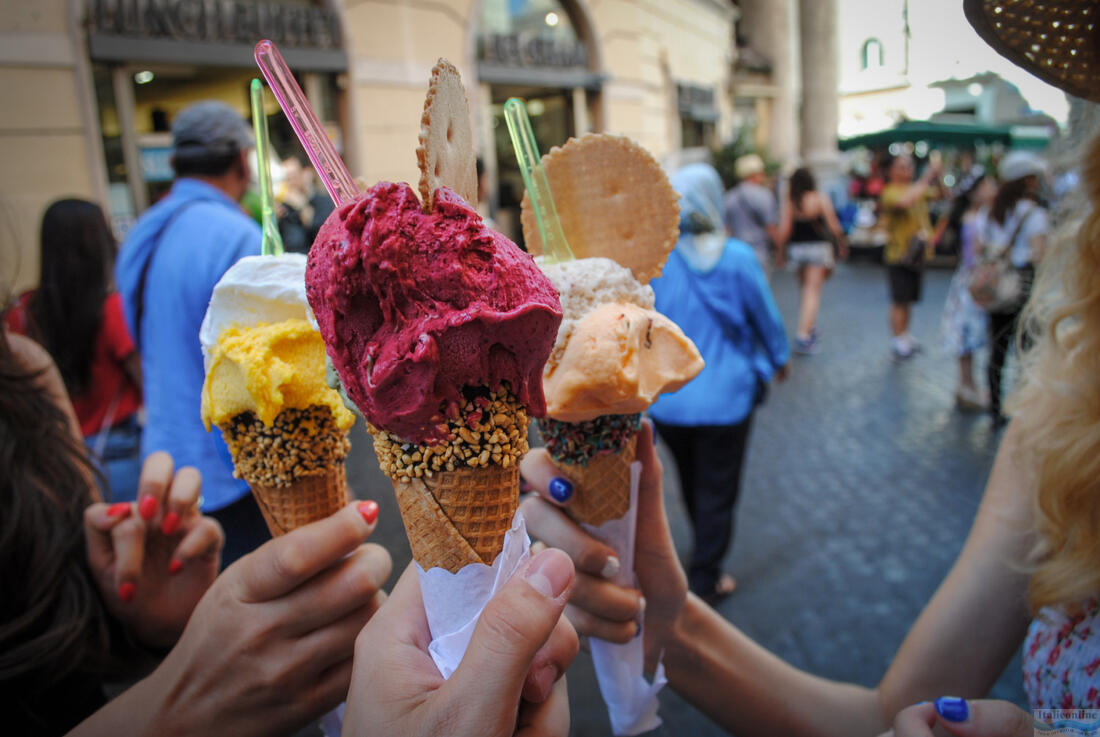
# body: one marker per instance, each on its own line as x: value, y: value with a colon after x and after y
x: 995, y: 284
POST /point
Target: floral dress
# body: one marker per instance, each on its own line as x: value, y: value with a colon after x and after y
x: 1062, y: 658
x: 964, y: 323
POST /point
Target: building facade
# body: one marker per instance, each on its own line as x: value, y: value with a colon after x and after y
x: 92, y: 86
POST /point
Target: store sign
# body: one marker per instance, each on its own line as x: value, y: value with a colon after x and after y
x: 531, y: 50
x: 216, y: 21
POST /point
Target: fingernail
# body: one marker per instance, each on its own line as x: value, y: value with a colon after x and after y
x: 175, y: 566
x: 952, y: 708
x: 126, y: 591
x: 544, y: 680
x: 170, y: 524
x: 641, y: 605
x: 550, y: 573
x: 147, y: 507
x: 561, y: 489
x: 122, y: 509
x: 369, y: 510
x: 611, y: 567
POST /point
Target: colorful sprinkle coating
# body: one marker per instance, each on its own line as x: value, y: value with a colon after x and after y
x: 302, y: 442
x: 579, y: 442
x: 488, y: 428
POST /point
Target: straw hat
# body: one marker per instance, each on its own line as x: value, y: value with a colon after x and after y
x: 748, y: 165
x: 1056, y: 40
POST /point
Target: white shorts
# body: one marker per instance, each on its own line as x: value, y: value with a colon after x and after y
x: 815, y: 253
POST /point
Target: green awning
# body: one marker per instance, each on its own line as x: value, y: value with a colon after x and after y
x: 939, y: 134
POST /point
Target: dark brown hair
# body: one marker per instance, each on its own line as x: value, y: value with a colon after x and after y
x: 802, y: 181
x: 78, y: 252
x: 1007, y: 196
x: 53, y: 624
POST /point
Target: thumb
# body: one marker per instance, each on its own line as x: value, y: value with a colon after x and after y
x: 983, y: 718
x: 513, y: 626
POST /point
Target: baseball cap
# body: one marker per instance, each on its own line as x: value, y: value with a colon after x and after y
x: 1020, y: 164
x: 209, y: 128
x: 748, y: 165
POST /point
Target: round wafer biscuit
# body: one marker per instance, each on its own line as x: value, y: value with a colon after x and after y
x: 613, y: 200
x: 446, y: 151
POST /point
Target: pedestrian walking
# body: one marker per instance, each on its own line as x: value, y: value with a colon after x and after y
x: 1015, y: 233
x: 167, y: 269
x: 76, y: 315
x: 965, y: 324
x: 715, y: 289
x: 810, y: 237
x: 750, y: 212
x: 908, y: 230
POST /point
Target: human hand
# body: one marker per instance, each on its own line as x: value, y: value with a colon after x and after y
x: 977, y: 718
x: 508, y: 683
x: 152, y: 569
x: 842, y: 248
x: 783, y: 372
x: 597, y: 607
x: 269, y: 648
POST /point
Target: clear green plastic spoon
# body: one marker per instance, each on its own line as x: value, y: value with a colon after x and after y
x: 272, y: 241
x: 555, y: 247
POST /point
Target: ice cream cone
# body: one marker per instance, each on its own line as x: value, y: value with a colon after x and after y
x: 308, y: 499
x: 458, y: 517
x: 601, y: 487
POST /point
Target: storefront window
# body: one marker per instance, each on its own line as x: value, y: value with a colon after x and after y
x: 122, y: 210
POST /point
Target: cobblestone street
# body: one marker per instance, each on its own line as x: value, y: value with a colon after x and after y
x: 861, y: 484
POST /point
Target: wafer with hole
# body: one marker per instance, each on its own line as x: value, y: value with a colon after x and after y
x: 446, y: 151
x: 613, y: 200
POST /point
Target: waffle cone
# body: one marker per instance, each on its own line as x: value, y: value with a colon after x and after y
x: 307, y: 499
x: 601, y: 488
x: 458, y: 517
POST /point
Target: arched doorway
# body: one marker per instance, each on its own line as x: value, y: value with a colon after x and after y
x: 544, y: 52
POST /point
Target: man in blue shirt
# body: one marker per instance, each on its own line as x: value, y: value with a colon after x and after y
x: 166, y: 272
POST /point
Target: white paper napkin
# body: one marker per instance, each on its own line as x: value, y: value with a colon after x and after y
x: 620, y: 669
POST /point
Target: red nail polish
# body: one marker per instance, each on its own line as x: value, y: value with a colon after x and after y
x: 369, y: 510
x: 122, y: 509
x: 147, y: 507
x: 170, y: 524
x: 175, y: 566
x: 126, y: 591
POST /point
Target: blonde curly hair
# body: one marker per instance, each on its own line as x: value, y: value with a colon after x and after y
x: 1057, y: 407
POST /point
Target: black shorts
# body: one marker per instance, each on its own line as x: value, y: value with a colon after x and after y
x: 905, y: 284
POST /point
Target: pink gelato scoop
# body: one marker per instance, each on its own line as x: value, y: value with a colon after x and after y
x: 413, y: 307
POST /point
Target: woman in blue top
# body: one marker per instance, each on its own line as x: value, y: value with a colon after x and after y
x: 715, y: 290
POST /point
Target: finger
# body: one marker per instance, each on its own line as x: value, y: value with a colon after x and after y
x: 347, y: 586
x: 588, y: 625
x: 982, y: 717
x: 285, y: 563
x: 650, y: 500
x: 547, y: 719
x: 323, y: 695
x: 606, y: 600
x: 551, y: 525
x: 128, y: 541
x: 403, y: 617
x: 204, y: 540
x: 332, y: 643
x: 551, y: 662
x: 156, y: 477
x: 547, y: 479
x: 915, y: 721
x: 182, y: 499
x: 514, y: 625
x: 99, y: 520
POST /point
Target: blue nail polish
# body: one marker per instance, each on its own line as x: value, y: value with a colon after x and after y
x: 952, y: 708
x: 561, y: 489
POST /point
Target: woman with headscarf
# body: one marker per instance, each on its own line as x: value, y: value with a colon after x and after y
x: 715, y: 289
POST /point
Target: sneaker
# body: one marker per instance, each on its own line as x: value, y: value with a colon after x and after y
x: 806, y: 346
x: 901, y: 349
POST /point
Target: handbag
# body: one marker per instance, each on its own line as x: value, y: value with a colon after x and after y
x: 995, y: 284
x: 915, y: 253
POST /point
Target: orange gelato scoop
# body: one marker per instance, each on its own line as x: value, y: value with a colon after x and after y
x: 618, y: 359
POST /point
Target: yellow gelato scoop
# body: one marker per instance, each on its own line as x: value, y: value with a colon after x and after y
x: 265, y: 369
x: 618, y: 359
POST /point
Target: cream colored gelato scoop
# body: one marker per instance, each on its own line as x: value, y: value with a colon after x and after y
x: 619, y: 357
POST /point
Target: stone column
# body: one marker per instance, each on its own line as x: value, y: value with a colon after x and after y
x: 771, y: 27
x: 819, y: 115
